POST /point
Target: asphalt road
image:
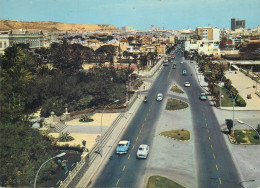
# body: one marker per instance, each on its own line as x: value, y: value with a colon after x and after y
x: 215, y: 166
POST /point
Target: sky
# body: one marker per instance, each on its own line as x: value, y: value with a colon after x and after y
x: 140, y: 14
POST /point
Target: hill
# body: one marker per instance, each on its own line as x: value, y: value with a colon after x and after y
x: 6, y: 25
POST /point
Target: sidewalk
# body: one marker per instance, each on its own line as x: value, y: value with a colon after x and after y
x: 240, y: 82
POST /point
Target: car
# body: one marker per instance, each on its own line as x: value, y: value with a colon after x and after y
x: 181, y: 62
x: 142, y: 151
x: 122, y: 147
x: 159, y: 97
x: 165, y: 64
x: 174, y: 66
x: 184, y: 72
x: 203, y: 96
x: 187, y: 84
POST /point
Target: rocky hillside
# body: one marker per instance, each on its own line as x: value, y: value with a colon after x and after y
x: 6, y: 25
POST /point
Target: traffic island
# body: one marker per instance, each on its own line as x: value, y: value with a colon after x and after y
x: 248, y: 137
x: 180, y: 135
x: 176, y: 89
x: 159, y: 181
x: 174, y: 104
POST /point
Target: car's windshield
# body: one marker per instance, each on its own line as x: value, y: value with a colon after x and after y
x: 121, y: 144
x: 141, y: 148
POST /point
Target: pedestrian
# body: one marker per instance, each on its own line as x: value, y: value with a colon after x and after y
x: 59, y: 164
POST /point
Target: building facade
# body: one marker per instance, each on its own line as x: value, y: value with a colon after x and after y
x: 11, y: 38
x: 236, y: 24
x: 208, y: 33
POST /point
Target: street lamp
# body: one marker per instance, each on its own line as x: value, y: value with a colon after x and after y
x: 60, y: 155
x: 234, y: 99
x: 101, y: 123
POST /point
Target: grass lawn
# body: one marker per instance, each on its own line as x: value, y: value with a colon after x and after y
x: 174, y: 104
x: 246, y: 137
x: 227, y: 100
x: 176, y: 89
x: 162, y: 182
x: 180, y: 134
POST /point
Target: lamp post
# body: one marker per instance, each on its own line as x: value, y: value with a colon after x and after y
x: 60, y: 155
x: 234, y: 99
x: 101, y: 124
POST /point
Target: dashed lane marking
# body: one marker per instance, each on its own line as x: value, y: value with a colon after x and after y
x: 217, y: 167
x: 117, y: 181
x: 129, y: 156
x: 219, y: 181
x: 209, y: 138
x: 133, y: 147
x: 123, y: 168
x: 211, y: 146
x: 140, y: 131
x: 214, y: 156
x: 142, y: 124
x: 136, y: 139
x: 206, y: 124
x: 208, y: 130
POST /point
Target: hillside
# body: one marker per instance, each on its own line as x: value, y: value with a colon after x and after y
x: 6, y: 25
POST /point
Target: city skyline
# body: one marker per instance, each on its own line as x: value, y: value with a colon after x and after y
x: 140, y: 14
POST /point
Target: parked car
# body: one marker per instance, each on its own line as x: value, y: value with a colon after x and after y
x: 122, y: 147
x: 187, y: 84
x: 203, y: 96
x: 159, y: 97
x: 142, y: 151
x: 184, y: 72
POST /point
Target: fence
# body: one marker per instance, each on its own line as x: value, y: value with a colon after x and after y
x: 71, y: 180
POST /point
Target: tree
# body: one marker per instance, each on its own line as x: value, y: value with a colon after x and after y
x: 18, y: 71
x: 23, y: 150
x: 229, y: 123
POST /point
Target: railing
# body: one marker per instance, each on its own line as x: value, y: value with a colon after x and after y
x: 87, y: 160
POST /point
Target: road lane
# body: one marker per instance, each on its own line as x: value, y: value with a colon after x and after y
x: 126, y: 170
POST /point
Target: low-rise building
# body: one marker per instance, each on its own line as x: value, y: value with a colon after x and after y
x: 10, y: 38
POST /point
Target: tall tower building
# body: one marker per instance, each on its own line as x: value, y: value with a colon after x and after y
x: 236, y: 24
x: 233, y: 24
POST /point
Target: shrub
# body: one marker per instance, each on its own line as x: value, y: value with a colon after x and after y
x: 229, y: 123
x: 240, y: 101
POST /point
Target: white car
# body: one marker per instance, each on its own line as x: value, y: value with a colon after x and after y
x: 187, y: 84
x: 159, y: 97
x: 142, y: 151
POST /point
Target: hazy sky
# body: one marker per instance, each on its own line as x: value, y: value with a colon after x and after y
x: 141, y: 14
